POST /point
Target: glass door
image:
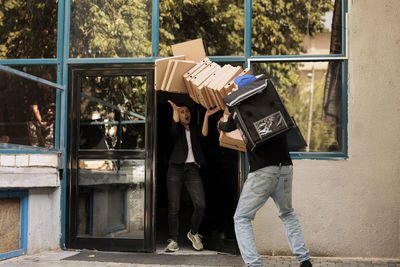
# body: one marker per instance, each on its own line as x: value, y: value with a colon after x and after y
x: 111, y: 154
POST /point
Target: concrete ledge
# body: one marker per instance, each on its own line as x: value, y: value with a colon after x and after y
x: 15, y: 177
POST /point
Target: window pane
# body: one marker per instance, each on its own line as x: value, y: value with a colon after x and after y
x: 113, y: 112
x: 219, y: 23
x: 111, y: 198
x: 315, y: 86
x: 110, y: 28
x: 27, y: 110
x: 10, y: 224
x: 297, y: 27
x: 28, y: 29
x: 47, y: 72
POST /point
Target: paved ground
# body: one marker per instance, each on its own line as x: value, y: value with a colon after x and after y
x: 87, y: 258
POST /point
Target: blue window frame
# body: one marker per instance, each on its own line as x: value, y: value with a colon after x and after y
x: 337, y: 56
x: 37, y: 90
x: 248, y: 59
x: 23, y: 195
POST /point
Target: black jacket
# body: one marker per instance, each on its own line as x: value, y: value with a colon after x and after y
x: 273, y: 152
x: 180, y: 150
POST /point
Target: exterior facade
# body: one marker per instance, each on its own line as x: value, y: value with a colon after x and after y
x: 346, y: 187
x: 351, y: 207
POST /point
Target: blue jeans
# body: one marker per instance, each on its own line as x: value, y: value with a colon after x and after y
x: 274, y: 182
x: 188, y: 175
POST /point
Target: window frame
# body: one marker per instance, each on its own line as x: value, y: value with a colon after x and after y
x: 63, y: 61
x: 18, y: 149
x: 23, y: 196
x: 343, y: 58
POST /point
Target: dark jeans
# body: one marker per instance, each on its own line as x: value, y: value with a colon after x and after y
x: 188, y: 174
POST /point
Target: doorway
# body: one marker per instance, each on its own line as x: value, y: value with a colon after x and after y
x: 222, y: 179
x: 118, y: 152
x: 110, y: 157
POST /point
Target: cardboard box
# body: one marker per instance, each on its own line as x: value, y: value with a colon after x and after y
x: 232, y: 140
x: 190, y: 74
x: 205, y: 87
x: 175, y: 82
x: 199, y: 79
x: 193, y: 49
x: 167, y: 74
x: 215, y: 80
x: 217, y: 89
x: 160, y: 66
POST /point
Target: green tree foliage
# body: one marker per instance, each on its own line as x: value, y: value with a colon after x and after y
x: 119, y: 91
x: 125, y: 97
x: 28, y: 29
x: 279, y: 26
x: 219, y: 23
x: 118, y: 28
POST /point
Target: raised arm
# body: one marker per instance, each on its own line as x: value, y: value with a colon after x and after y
x: 204, y: 130
x: 175, y: 119
x: 175, y: 114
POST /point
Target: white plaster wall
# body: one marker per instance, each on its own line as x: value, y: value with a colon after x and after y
x: 352, y: 207
x: 29, y: 170
x: 44, y: 228
x: 27, y: 177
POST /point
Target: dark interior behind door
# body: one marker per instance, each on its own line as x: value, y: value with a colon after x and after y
x: 221, y: 179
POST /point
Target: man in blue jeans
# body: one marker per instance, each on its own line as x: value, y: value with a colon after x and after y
x: 184, y: 169
x: 271, y: 173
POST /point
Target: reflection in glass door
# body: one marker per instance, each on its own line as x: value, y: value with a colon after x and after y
x: 111, y: 198
x: 109, y: 168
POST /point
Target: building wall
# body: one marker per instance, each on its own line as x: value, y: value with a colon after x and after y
x: 44, y: 231
x: 352, y: 207
x: 37, y: 173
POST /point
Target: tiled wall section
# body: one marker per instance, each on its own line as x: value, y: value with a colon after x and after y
x: 29, y: 160
x: 10, y: 224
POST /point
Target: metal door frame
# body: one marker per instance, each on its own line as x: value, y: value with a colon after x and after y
x: 72, y: 241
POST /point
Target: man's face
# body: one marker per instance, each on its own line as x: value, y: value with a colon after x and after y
x: 184, y: 115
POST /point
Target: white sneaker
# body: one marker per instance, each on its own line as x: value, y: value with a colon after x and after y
x: 196, y: 240
x: 172, y: 246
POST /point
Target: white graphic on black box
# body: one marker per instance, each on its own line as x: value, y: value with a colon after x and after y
x: 271, y: 124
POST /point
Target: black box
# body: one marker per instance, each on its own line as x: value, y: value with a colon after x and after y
x: 259, y: 112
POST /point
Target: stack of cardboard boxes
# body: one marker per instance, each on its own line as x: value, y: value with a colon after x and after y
x: 189, y: 71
